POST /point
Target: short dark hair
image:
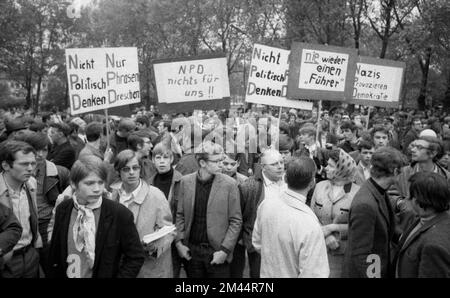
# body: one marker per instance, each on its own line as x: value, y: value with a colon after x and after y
x: 384, y: 162
x: 37, y: 126
x: 431, y: 190
x: 379, y: 129
x: 436, y: 145
x: 37, y: 140
x: 363, y: 144
x: 166, y: 124
x: 62, y: 127
x: 94, y: 131
x: 9, y: 148
x: 348, y: 125
x: 134, y: 141
x: 86, y: 165
x: 300, y: 172
x: 123, y: 158
x: 143, y: 120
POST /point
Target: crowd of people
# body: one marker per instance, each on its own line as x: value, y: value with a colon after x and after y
x: 338, y: 194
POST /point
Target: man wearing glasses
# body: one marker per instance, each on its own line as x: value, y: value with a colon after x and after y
x: 267, y: 184
x: 208, y: 216
x: 18, y: 192
x: 425, y: 154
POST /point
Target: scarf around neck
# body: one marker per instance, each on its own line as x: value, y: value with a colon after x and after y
x: 84, y: 229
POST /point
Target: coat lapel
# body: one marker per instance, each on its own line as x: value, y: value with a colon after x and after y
x: 66, y: 214
x: 424, y: 228
x: 190, y: 195
x: 215, y: 189
x: 381, y: 203
x: 104, y: 223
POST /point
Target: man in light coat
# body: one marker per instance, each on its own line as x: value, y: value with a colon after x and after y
x: 287, y: 233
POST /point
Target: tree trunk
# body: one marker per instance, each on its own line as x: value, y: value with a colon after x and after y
x: 425, y: 67
x: 447, y: 93
x: 38, y: 93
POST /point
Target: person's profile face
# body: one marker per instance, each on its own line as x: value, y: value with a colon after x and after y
x: 273, y: 165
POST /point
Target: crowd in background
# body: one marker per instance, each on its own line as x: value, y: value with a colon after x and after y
x: 339, y: 195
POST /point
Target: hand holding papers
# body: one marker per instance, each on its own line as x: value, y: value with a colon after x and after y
x: 158, y: 242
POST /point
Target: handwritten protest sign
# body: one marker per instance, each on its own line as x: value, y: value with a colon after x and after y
x: 321, y: 72
x: 378, y: 82
x: 185, y: 84
x: 100, y: 78
x: 268, y: 77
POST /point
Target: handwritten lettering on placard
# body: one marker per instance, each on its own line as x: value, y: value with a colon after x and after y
x: 100, y: 78
x: 323, y: 70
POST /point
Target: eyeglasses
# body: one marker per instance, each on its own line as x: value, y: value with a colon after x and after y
x: 230, y: 163
x: 215, y: 161
x: 27, y: 164
x: 128, y: 169
x: 419, y: 147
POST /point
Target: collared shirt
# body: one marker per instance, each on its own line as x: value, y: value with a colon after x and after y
x: 21, y: 209
x: 126, y: 198
x: 366, y: 170
x: 290, y: 239
x: 273, y: 189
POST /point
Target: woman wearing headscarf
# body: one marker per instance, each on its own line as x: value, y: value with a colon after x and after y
x: 331, y: 203
x: 151, y: 212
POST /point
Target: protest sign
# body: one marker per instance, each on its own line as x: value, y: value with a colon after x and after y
x: 378, y: 82
x: 100, y: 78
x: 268, y: 77
x: 321, y: 72
x: 189, y: 83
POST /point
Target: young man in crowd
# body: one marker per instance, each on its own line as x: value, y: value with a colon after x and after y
x: 106, y: 243
x: 18, y: 192
x: 288, y: 233
x: 96, y: 142
x: 167, y: 180
x: 412, y: 134
x: 371, y: 231
x: 424, y: 248
x: 62, y: 152
x: 143, y: 123
x: 118, y: 140
x: 51, y: 181
x: 366, y: 150
x: 141, y: 143
x: 380, y: 137
x: 348, y: 129
x: 230, y: 166
x: 392, y: 133
x: 209, y: 216
x: 267, y: 184
x: 425, y: 154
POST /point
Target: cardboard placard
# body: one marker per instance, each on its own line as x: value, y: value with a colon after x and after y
x: 189, y: 83
x: 268, y: 77
x: 101, y: 78
x: 378, y: 82
x: 321, y: 72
